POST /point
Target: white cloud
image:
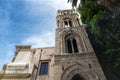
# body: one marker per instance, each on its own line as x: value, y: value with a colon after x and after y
x: 34, y: 7
x: 44, y: 40
x: 60, y: 4
x: 56, y: 4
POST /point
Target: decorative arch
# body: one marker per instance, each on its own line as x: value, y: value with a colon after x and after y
x: 77, y: 77
x: 75, y: 46
x: 77, y: 70
x: 71, y: 43
x: 71, y: 71
x: 78, y: 40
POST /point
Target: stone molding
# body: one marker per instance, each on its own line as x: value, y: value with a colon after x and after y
x: 23, y: 48
x: 75, y: 55
x: 17, y: 71
x: 74, y: 69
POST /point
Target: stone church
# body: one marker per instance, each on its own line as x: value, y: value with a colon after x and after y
x: 72, y: 58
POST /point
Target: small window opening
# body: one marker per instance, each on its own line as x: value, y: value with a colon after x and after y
x: 90, y: 66
x: 58, y: 23
x: 70, y: 23
x: 67, y: 23
x: 44, y: 68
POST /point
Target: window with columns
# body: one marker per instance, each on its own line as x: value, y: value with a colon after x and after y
x: 67, y: 23
x: 71, y: 44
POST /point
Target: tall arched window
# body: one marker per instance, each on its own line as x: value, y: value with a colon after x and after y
x: 71, y: 44
x: 75, y: 46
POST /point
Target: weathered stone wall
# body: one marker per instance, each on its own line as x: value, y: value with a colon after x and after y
x: 85, y: 64
x: 43, y: 55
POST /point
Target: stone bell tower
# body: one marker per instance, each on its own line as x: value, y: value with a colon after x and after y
x: 70, y: 35
x: 74, y: 56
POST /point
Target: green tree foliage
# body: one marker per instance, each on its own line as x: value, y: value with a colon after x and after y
x: 88, y: 9
x: 104, y: 32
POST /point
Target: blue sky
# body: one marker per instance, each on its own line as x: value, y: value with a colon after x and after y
x: 27, y: 22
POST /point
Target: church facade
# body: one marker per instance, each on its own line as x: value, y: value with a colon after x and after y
x: 72, y: 58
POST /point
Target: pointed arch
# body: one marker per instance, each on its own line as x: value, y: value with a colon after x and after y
x: 64, y: 36
x: 69, y: 46
x: 75, y: 46
x: 77, y: 77
x: 73, y: 71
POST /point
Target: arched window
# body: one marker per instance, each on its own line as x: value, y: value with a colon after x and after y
x: 70, y: 23
x: 71, y: 44
x: 75, y: 46
x: 67, y: 23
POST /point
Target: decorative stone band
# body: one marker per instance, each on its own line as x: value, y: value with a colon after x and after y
x: 15, y: 76
x: 19, y: 68
x: 75, y: 55
x: 17, y: 71
x: 23, y: 48
x: 17, y: 65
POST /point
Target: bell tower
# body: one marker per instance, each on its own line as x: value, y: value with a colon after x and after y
x: 70, y: 35
x: 74, y: 57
